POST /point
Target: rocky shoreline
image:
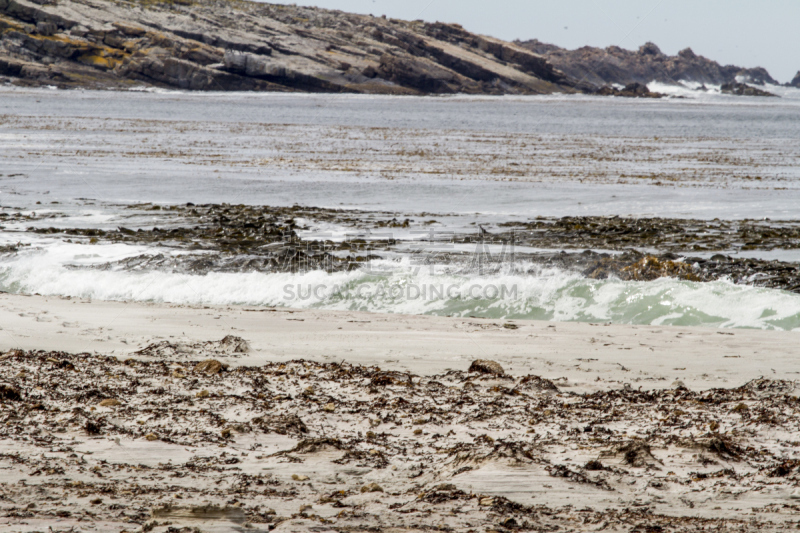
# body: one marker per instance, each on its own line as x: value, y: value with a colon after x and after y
x: 240, y: 238
x: 617, y: 66
x: 214, y: 45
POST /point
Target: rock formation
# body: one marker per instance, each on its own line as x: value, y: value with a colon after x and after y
x: 796, y: 81
x: 615, y: 65
x: 742, y: 89
x: 632, y: 90
x: 227, y: 45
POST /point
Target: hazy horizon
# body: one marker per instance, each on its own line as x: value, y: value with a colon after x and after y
x: 724, y: 32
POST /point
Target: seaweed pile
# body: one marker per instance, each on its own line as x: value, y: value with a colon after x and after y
x: 150, y: 444
x: 664, y: 234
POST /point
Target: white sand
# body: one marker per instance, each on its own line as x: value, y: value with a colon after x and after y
x: 590, y: 357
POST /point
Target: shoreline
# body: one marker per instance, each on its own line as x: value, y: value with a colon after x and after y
x: 582, y: 357
x: 343, y: 421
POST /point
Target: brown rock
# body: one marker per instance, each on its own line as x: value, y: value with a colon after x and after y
x: 486, y: 366
x: 109, y: 402
x: 372, y: 487
x: 209, y: 367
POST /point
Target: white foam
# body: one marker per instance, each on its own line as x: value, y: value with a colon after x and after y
x: 403, y: 287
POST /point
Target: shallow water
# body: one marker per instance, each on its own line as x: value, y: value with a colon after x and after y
x: 461, y: 160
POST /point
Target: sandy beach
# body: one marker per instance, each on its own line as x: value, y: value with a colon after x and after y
x: 588, y: 357
x: 154, y: 417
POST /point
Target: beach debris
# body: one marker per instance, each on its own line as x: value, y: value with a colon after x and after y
x: 536, y: 383
x: 203, y: 513
x: 92, y: 427
x: 529, y: 426
x: 9, y: 394
x: 638, y: 454
x: 230, y: 345
x: 679, y: 385
x: 594, y: 465
x: 486, y: 366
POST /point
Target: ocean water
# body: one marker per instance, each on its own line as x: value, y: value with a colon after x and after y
x: 85, y: 156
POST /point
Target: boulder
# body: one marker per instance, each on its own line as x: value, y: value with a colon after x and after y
x: 487, y: 366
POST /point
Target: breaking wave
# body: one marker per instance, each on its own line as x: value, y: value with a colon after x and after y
x: 530, y: 292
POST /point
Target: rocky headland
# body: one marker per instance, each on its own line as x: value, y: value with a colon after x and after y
x: 221, y: 45
x: 235, y: 45
x: 615, y: 65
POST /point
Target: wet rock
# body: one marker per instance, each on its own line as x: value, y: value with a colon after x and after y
x: 486, y: 366
x: 632, y: 90
x: 650, y: 268
x: 742, y: 89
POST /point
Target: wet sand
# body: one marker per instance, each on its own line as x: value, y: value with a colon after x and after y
x: 654, y: 356
x: 341, y: 421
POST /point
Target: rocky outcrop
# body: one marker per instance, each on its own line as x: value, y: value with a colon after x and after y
x: 632, y: 90
x: 742, y: 89
x: 615, y: 65
x: 796, y: 81
x: 221, y: 45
